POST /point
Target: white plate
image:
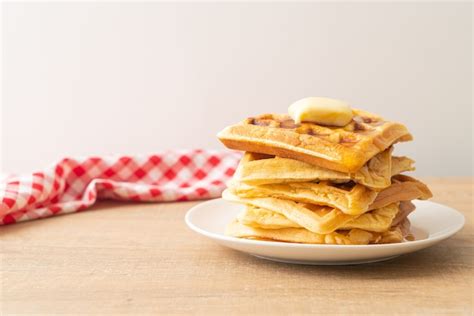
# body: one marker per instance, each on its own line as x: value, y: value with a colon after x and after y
x: 431, y: 223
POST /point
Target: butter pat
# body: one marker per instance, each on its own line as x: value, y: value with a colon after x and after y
x: 324, y: 111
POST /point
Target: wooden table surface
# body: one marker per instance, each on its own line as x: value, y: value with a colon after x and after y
x: 142, y: 259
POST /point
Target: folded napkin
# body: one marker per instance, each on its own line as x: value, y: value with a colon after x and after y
x: 73, y: 185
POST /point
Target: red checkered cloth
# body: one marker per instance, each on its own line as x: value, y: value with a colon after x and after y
x: 73, y: 185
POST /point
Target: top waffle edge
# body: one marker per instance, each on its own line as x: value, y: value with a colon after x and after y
x: 344, y: 149
x: 363, y: 123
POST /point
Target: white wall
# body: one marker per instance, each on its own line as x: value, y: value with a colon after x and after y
x: 97, y: 78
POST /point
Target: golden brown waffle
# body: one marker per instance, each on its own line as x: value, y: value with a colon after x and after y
x: 301, y: 235
x: 405, y: 208
x: 344, y: 149
x: 404, y: 227
x: 262, y: 218
x: 257, y: 169
x: 401, y: 164
x: 320, y: 219
x: 403, y: 188
x: 379, y: 220
x: 350, y: 198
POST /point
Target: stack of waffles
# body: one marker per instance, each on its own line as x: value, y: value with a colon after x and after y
x: 309, y: 183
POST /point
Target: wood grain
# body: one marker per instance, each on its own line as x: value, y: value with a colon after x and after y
x: 142, y: 259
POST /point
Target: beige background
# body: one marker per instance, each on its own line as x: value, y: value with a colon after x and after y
x: 96, y: 78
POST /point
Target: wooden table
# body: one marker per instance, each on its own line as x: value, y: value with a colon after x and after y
x: 142, y: 259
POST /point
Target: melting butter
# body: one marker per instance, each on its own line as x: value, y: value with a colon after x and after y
x: 324, y: 111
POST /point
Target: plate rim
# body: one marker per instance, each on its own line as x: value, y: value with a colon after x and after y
x: 439, y: 235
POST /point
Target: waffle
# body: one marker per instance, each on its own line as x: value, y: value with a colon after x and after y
x: 301, y: 235
x: 318, y: 219
x: 321, y: 219
x: 262, y: 218
x: 350, y: 198
x: 403, y: 188
x: 344, y: 149
x: 405, y: 208
x: 257, y: 169
x: 378, y: 220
